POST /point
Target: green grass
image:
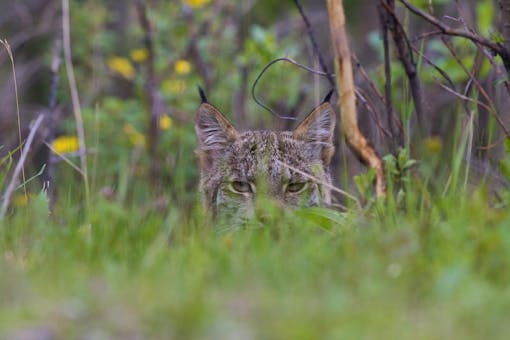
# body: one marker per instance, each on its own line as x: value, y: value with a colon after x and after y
x: 432, y: 262
x: 441, y: 271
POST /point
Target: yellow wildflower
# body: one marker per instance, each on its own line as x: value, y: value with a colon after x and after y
x: 173, y: 86
x: 165, y: 122
x: 182, y: 67
x: 139, y: 55
x: 135, y: 137
x: 121, y: 66
x: 433, y: 144
x: 65, y: 144
x: 196, y: 3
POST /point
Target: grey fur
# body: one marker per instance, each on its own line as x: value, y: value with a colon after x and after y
x: 260, y: 158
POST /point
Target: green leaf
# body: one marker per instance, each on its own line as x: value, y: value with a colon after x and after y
x: 497, y: 38
x: 323, y: 217
x: 409, y: 164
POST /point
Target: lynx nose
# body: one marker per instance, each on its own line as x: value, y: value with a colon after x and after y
x: 268, y: 208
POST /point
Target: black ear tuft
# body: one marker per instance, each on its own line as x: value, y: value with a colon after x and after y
x: 328, y: 96
x: 202, y: 94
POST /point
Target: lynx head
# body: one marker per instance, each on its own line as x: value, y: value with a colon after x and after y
x: 238, y: 168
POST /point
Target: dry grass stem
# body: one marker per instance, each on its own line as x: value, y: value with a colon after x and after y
x: 74, y: 94
x: 14, y: 78
x: 24, y: 152
x: 316, y: 180
x: 65, y: 159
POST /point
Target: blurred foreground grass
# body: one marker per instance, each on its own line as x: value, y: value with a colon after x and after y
x: 442, y: 271
x: 433, y: 263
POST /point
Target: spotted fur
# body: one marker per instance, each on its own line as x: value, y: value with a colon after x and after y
x: 268, y: 160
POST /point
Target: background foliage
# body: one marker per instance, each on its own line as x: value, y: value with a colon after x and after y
x: 133, y: 257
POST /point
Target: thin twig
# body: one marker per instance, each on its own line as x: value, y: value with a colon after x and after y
x: 437, y: 68
x: 24, y: 152
x: 318, y: 181
x: 379, y: 95
x: 370, y: 82
x: 476, y: 40
x: 370, y: 107
x: 493, y: 145
x: 316, y: 48
x: 74, y: 94
x: 495, y: 47
x: 289, y: 60
x: 426, y: 35
x: 65, y: 159
x: 443, y: 74
x: 463, y: 97
x: 383, y: 17
x: 485, y: 95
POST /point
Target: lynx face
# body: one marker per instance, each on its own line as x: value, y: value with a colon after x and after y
x: 238, y: 168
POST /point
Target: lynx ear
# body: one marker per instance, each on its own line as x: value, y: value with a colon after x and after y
x: 213, y: 130
x: 318, y: 129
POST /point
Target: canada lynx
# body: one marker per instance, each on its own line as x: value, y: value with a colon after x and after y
x: 291, y: 167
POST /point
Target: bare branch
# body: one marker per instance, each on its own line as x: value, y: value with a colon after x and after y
x: 496, y: 48
x: 492, y: 107
x: 370, y: 107
x: 347, y: 97
x: 379, y: 95
x: 463, y: 97
x: 405, y: 53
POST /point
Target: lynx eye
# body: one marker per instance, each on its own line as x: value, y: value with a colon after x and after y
x: 295, y: 187
x: 240, y: 187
